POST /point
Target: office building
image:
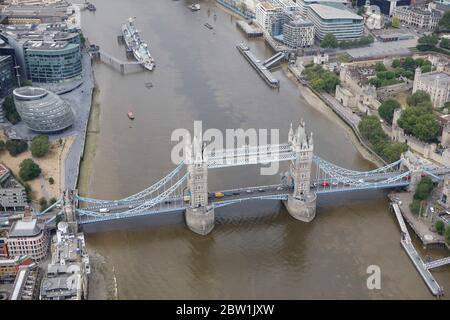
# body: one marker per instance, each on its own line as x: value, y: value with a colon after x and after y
x: 52, y: 61
x: 342, y: 23
x: 418, y: 17
x: 26, y: 237
x: 298, y: 33
x: 7, y: 76
x: 13, y: 196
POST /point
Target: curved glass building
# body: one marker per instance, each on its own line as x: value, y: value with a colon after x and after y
x: 42, y: 111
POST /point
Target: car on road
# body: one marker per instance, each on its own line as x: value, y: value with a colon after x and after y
x: 186, y: 198
x: 103, y: 210
x: 236, y: 193
x: 334, y: 183
x: 218, y: 194
x: 279, y: 188
x: 130, y: 206
x: 261, y: 190
x: 249, y: 191
x: 325, y: 184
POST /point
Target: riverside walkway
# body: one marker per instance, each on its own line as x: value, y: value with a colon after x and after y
x: 414, y: 255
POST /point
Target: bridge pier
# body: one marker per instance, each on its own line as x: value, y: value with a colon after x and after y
x: 304, y: 208
x: 200, y: 220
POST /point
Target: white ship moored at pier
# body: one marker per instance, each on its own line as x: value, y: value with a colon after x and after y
x: 136, y: 45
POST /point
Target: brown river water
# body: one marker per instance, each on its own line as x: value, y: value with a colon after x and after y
x: 256, y: 250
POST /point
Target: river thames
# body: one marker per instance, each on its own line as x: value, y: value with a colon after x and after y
x: 256, y: 250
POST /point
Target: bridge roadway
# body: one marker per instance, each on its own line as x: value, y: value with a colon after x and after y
x: 118, y: 210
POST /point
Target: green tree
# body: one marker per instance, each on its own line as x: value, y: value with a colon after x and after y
x: 447, y: 232
x: 361, y: 10
x: 10, y: 110
x: 427, y: 42
x: 2, y: 145
x: 43, y: 203
x: 416, y: 207
x: 380, y: 67
x: 417, y: 98
x: 28, y: 191
x: 386, y: 109
x: 243, y: 7
x: 329, y: 41
x: 395, y: 22
x: 26, y: 83
x: 82, y: 39
x: 52, y: 201
x: 424, y: 188
x: 396, y: 63
x: 445, y: 43
x: 40, y: 146
x: 16, y: 147
x: 392, y: 151
x: 440, y: 227
x: 444, y: 22
x: 51, y: 180
x: 28, y: 170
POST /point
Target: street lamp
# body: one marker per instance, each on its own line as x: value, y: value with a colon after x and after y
x: 17, y: 74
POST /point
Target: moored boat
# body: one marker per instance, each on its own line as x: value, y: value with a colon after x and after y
x: 136, y: 45
x: 130, y: 115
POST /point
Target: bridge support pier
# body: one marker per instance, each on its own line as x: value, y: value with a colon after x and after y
x: 200, y: 220
x: 304, y: 208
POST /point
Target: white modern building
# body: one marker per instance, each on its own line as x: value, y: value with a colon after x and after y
x: 342, y: 23
x: 425, y: 18
x: 267, y: 13
x: 436, y: 84
x: 298, y: 34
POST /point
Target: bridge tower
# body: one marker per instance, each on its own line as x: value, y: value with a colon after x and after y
x: 68, y: 206
x: 412, y: 163
x: 199, y: 216
x: 301, y: 204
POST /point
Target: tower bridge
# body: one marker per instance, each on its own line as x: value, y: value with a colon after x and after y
x: 185, y: 188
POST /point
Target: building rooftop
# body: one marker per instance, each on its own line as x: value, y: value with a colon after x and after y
x: 24, y: 228
x: 3, y: 170
x: 42, y: 45
x: 300, y: 22
x: 270, y: 5
x: 327, y: 12
x: 442, y: 77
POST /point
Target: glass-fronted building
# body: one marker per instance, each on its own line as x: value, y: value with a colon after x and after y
x: 342, y: 23
x: 52, y: 61
x: 42, y: 110
x: 7, y: 77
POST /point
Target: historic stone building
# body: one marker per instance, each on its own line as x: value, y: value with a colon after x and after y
x: 418, y: 17
x: 436, y: 83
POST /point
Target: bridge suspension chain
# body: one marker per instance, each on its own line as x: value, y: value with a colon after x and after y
x: 140, y: 195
